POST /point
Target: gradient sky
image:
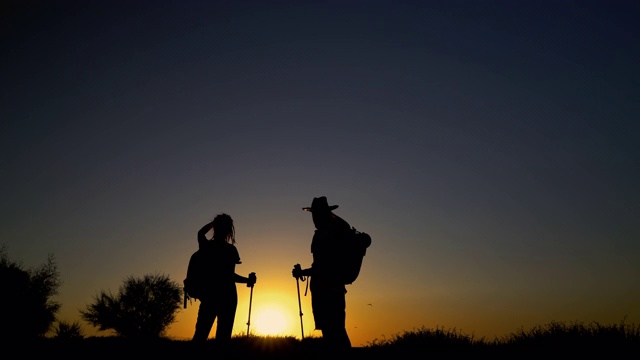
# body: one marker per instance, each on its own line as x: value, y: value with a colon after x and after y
x: 489, y: 147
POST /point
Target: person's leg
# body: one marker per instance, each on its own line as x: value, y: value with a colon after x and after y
x: 336, y: 338
x: 206, y: 318
x: 225, y: 323
x: 334, y: 330
x: 343, y: 340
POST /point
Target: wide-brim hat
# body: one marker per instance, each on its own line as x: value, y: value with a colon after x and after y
x: 320, y: 204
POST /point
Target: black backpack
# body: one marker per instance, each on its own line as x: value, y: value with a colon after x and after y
x: 195, y: 283
x: 355, y: 248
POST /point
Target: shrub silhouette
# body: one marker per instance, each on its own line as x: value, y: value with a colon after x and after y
x: 68, y: 331
x: 27, y: 292
x: 143, y: 308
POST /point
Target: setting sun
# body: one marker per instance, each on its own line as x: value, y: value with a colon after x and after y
x: 271, y: 320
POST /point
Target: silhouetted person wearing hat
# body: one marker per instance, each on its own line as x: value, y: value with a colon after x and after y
x: 328, y: 292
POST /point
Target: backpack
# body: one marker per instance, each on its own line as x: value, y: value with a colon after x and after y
x: 355, y: 248
x: 195, y: 283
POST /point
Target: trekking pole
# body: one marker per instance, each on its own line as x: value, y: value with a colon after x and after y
x: 186, y: 297
x: 250, y: 300
x: 297, y: 267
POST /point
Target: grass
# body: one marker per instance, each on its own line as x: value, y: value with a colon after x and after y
x: 576, y: 338
x: 553, y: 338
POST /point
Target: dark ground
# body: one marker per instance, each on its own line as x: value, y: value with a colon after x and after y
x: 286, y: 348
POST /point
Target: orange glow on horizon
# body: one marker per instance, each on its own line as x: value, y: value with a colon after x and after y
x: 271, y: 320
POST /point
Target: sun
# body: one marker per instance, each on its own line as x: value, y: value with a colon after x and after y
x: 270, y: 321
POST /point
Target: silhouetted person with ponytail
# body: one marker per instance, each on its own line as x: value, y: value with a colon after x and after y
x: 220, y: 299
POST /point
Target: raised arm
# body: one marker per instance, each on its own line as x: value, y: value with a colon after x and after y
x: 202, y: 238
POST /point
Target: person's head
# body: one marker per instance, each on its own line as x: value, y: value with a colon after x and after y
x: 223, y: 228
x: 321, y: 211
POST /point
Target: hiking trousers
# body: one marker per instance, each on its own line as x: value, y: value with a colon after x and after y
x: 208, y: 312
x: 329, y: 313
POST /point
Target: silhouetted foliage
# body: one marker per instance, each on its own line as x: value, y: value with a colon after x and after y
x: 592, y: 336
x: 26, y: 303
x: 143, y: 308
x: 549, y: 338
x: 68, y: 331
x: 425, y: 338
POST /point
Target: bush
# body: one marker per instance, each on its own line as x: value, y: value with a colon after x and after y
x: 27, y: 292
x: 68, y: 331
x: 143, y: 308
